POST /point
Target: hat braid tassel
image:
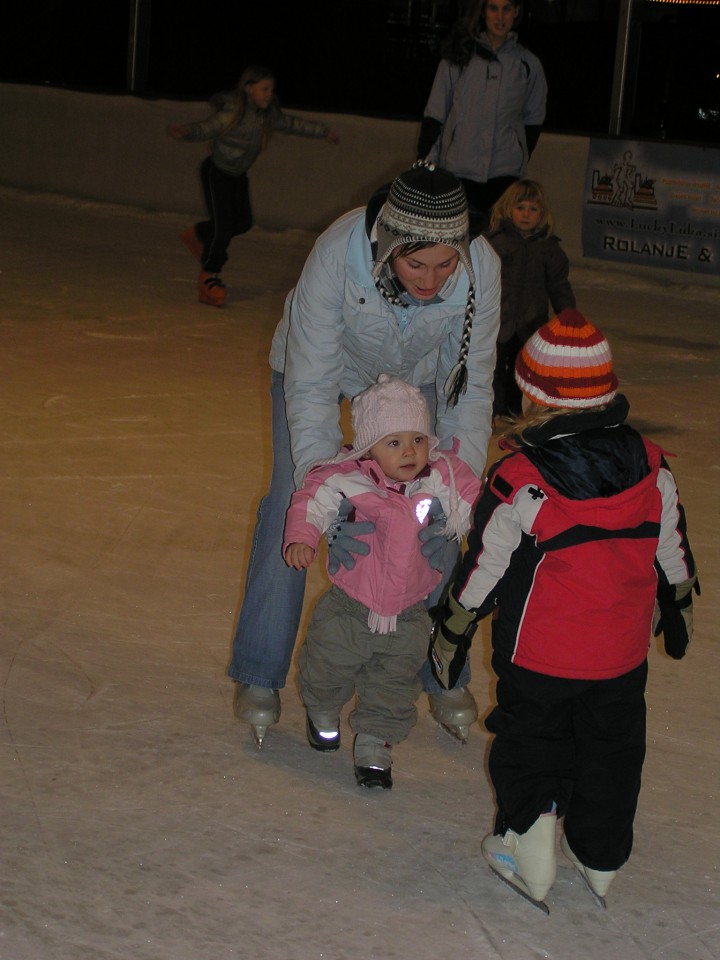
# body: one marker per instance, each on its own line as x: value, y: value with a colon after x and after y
x: 456, y: 383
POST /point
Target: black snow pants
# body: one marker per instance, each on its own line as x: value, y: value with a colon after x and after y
x: 579, y: 743
x: 228, y: 203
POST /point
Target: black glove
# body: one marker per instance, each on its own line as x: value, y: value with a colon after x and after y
x: 341, y: 539
x: 674, y: 616
x: 433, y: 538
x: 450, y: 640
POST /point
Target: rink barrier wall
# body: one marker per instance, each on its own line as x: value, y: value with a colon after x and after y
x: 114, y: 149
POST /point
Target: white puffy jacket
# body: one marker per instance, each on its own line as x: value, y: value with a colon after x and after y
x: 338, y: 334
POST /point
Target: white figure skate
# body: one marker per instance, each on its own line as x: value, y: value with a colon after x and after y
x: 526, y: 862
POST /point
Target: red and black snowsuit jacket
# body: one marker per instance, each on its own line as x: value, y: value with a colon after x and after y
x: 570, y: 537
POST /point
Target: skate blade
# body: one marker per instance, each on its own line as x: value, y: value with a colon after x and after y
x: 259, y: 736
x: 600, y: 901
x: 540, y: 904
x: 459, y: 734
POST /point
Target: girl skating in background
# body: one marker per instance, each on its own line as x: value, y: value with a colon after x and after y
x: 240, y: 127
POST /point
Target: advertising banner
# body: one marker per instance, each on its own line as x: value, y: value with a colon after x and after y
x: 653, y: 204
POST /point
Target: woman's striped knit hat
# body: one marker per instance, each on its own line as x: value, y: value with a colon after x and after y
x: 567, y: 363
x: 427, y: 204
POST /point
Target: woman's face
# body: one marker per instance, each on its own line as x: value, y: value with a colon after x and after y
x: 424, y: 272
x: 261, y: 92
x: 500, y: 15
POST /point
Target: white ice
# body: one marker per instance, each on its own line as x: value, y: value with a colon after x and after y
x: 139, y: 821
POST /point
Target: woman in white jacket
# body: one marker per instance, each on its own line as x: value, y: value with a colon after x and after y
x: 486, y: 107
x: 396, y: 288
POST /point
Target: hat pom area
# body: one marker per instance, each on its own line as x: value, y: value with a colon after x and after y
x: 567, y: 363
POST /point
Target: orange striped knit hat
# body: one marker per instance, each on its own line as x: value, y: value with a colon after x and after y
x: 567, y: 363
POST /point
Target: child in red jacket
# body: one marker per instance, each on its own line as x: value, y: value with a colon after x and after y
x: 579, y: 548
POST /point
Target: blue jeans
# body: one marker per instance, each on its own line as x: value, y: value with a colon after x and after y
x: 268, y: 622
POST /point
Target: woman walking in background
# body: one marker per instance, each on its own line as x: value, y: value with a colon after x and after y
x: 486, y: 107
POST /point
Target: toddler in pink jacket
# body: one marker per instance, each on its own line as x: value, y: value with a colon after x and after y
x: 369, y: 633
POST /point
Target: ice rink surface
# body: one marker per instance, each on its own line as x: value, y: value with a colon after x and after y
x: 138, y: 819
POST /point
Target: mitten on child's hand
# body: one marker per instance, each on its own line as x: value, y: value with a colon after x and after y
x: 433, y: 538
x: 341, y: 539
x: 450, y: 640
x: 674, y: 616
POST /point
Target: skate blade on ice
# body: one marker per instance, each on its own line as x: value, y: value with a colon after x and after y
x: 600, y: 901
x: 258, y: 735
x: 517, y: 886
x: 604, y: 878
x: 459, y: 733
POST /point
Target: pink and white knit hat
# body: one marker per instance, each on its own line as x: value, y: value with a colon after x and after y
x: 393, y: 406
x: 389, y: 406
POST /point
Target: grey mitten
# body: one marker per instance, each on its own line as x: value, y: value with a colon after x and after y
x: 433, y: 538
x: 674, y: 616
x: 450, y: 639
x: 342, y: 538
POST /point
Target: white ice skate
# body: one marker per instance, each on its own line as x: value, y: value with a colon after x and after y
x: 455, y: 710
x: 258, y: 706
x: 597, y: 881
x: 526, y: 862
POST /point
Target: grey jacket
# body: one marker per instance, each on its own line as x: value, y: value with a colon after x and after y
x: 484, y: 108
x: 338, y: 334
x: 236, y: 147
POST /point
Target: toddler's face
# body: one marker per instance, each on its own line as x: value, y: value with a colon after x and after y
x: 526, y: 215
x: 401, y: 456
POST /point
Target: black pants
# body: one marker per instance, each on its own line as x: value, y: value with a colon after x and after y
x: 481, y: 197
x: 507, y: 395
x: 580, y: 743
x: 228, y: 203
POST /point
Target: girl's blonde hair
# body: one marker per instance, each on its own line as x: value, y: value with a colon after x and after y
x: 516, y: 193
x: 535, y: 416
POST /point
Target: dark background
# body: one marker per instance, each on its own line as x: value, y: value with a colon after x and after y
x: 375, y: 57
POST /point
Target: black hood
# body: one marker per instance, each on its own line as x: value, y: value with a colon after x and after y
x: 587, y: 454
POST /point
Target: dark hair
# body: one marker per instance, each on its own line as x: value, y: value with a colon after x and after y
x: 460, y: 43
x: 407, y: 249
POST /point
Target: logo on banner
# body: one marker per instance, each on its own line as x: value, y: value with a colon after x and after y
x: 624, y: 186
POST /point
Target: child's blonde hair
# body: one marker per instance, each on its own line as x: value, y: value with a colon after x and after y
x: 517, y: 192
x: 535, y: 415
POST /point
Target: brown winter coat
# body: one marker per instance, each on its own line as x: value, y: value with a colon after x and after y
x: 534, y: 274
